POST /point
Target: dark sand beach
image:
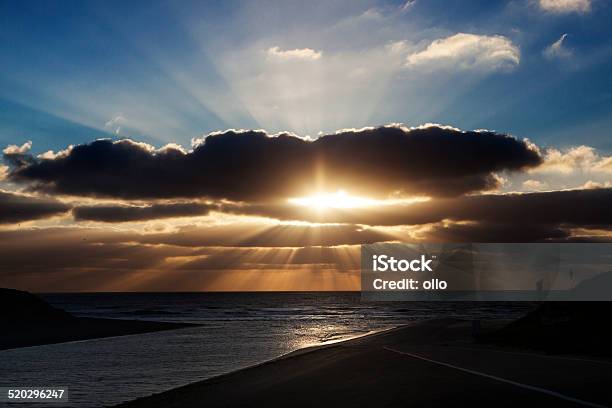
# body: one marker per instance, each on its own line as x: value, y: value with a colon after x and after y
x: 29, y: 321
x: 435, y: 363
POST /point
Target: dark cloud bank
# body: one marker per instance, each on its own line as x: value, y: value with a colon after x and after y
x: 125, y: 213
x: 17, y: 207
x: 262, y: 171
x: 252, y: 166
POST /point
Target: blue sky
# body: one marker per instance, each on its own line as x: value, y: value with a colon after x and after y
x: 162, y: 71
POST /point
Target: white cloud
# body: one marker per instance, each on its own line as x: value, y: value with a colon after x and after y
x: 14, y: 149
x: 51, y: 155
x: 305, y: 54
x: 534, y: 185
x: 557, y: 49
x: 468, y: 51
x: 115, y: 123
x: 575, y: 167
x: 565, y: 6
x: 576, y: 159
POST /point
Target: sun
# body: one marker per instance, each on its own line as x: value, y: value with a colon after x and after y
x: 343, y: 200
x: 339, y: 199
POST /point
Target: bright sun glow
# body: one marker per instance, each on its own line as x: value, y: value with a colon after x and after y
x: 339, y: 199
x: 342, y: 199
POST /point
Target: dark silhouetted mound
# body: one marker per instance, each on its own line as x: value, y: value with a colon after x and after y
x: 20, y: 307
x: 27, y: 320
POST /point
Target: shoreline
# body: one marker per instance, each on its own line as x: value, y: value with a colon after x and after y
x: 297, y: 352
x: 310, y: 348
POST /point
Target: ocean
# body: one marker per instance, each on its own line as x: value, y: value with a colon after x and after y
x: 237, y: 330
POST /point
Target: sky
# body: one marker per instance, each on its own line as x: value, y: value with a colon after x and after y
x: 253, y: 145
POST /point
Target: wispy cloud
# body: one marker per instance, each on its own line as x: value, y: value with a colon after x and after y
x: 115, y: 123
x: 372, y: 13
x: 468, y: 52
x: 565, y: 6
x: 407, y: 6
x: 558, y: 49
x: 305, y: 54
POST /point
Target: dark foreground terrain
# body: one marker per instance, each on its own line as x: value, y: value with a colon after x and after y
x: 26, y: 320
x: 431, y: 364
